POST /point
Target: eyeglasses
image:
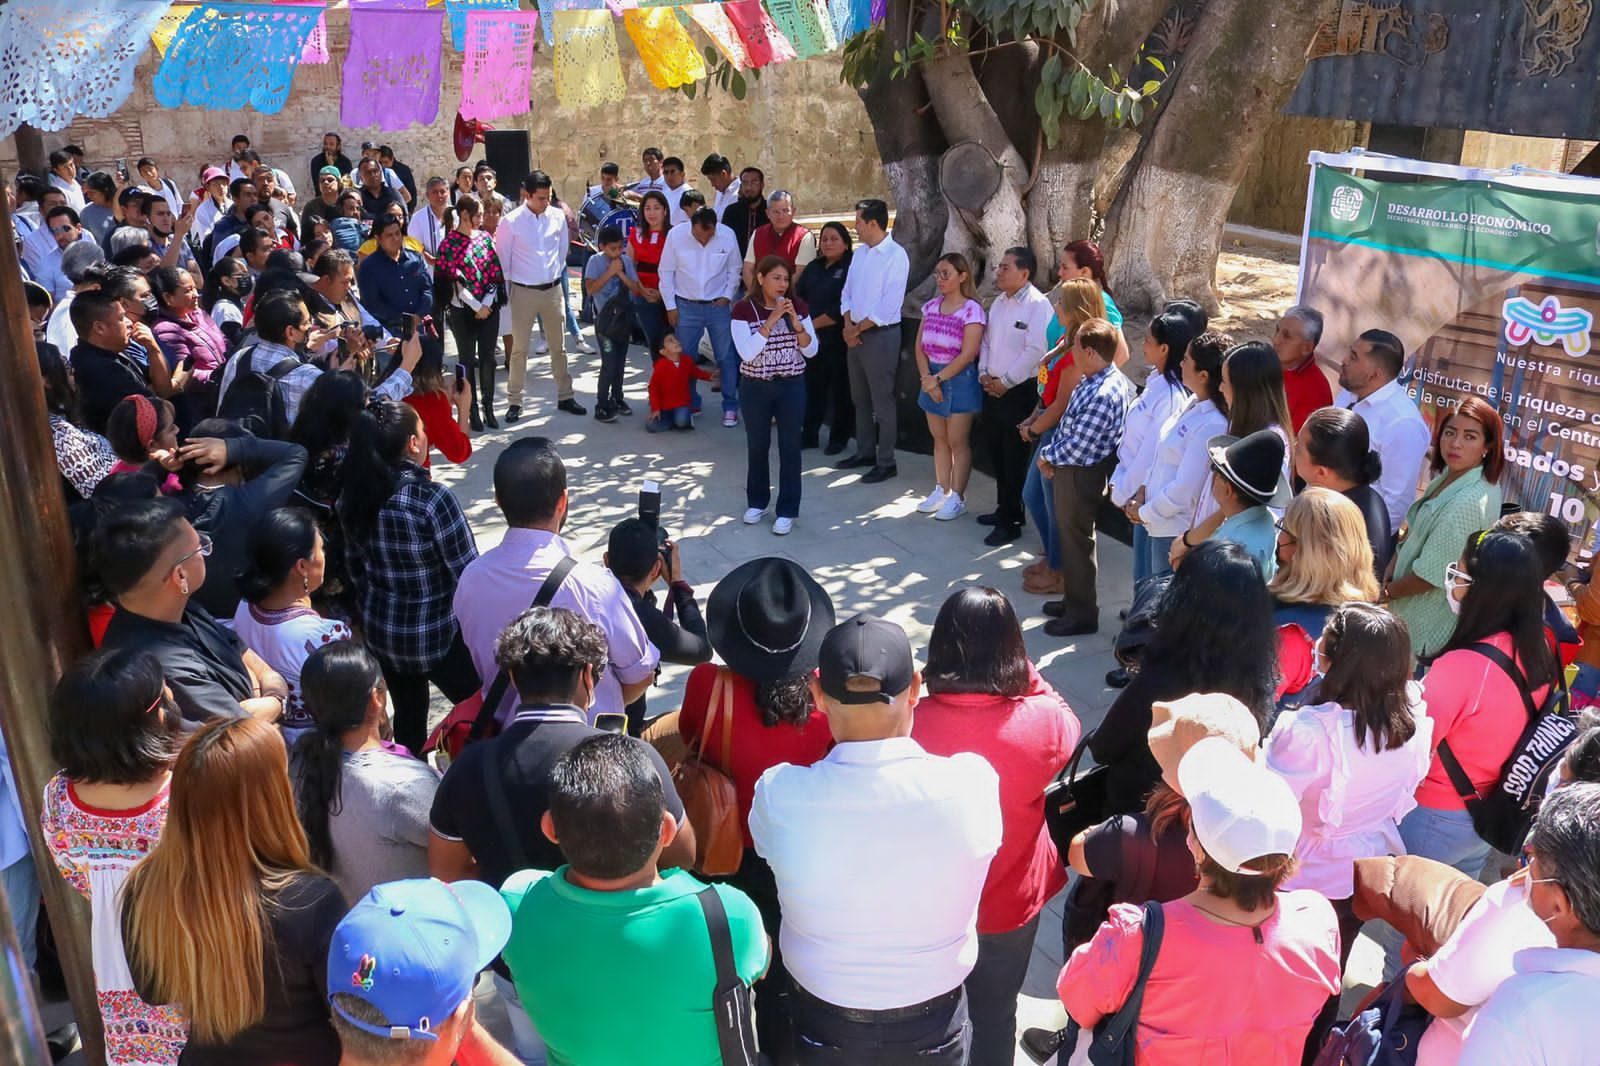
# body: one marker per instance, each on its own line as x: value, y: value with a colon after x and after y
x: 203, y: 550
x: 1283, y: 531
x: 61, y: 229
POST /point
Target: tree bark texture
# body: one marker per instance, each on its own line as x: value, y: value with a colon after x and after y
x: 1165, y: 228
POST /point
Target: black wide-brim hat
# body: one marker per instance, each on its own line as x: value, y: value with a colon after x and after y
x: 767, y: 619
x: 1253, y: 465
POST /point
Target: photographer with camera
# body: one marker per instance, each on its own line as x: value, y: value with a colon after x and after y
x: 639, y: 554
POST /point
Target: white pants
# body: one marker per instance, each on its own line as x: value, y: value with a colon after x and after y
x: 525, y: 1038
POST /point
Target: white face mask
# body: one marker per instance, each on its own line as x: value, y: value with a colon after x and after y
x: 1319, y: 664
x: 1450, y: 587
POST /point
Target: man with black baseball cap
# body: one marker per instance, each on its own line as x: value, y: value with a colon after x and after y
x: 879, y: 852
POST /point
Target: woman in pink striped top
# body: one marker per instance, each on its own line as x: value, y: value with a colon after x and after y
x: 947, y: 360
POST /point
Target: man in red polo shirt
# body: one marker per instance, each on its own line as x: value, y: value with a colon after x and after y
x: 1304, y: 382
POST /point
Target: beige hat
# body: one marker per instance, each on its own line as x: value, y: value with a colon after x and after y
x: 1178, y: 725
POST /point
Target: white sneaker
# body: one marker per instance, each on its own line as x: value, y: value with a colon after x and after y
x: 541, y: 348
x: 583, y: 346
x: 782, y: 526
x: 730, y: 419
x: 954, y: 507
x: 933, y: 501
x: 753, y: 515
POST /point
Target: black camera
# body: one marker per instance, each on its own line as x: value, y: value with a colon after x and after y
x: 650, y: 515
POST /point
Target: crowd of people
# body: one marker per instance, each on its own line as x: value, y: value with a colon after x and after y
x: 1342, y: 697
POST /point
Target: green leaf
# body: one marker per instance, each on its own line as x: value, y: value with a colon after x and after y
x: 1154, y: 62
x: 1150, y: 88
x: 1116, y: 110
x: 1051, y: 71
x: 1077, y: 91
x: 1108, y: 104
x: 899, y: 56
x: 712, y: 58
x: 689, y: 90
x: 738, y: 87
x: 1136, y: 113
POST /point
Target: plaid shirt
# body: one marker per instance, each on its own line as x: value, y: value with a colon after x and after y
x: 470, y: 262
x: 405, y: 572
x: 1091, y: 427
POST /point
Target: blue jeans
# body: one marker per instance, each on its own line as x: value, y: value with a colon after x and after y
x: 1160, y: 555
x: 1141, y: 554
x: 653, y: 322
x: 1040, y: 502
x: 21, y: 883
x: 674, y: 418
x: 1587, y: 680
x: 783, y: 399
x: 1445, y: 836
x: 696, y: 318
x: 613, y: 361
x: 824, y: 1037
x: 992, y: 989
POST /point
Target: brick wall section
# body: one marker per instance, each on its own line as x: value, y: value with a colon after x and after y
x: 799, y: 123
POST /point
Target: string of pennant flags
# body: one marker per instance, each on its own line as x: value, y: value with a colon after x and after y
x: 66, y: 61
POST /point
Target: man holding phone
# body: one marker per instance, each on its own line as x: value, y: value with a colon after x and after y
x: 395, y: 282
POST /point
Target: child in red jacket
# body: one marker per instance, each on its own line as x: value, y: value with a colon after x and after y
x: 669, y: 387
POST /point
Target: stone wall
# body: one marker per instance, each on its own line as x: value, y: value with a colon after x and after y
x: 799, y: 123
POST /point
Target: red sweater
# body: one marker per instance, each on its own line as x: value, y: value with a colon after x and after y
x: 1026, y: 740
x: 1307, y: 389
x: 439, y: 423
x: 669, y: 383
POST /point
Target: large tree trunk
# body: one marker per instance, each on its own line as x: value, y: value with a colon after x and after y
x: 1165, y: 228
x: 1061, y: 203
x: 910, y: 143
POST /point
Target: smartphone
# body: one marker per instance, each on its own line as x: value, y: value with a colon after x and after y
x: 461, y: 377
x: 122, y: 170
x: 408, y: 326
x: 611, y: 722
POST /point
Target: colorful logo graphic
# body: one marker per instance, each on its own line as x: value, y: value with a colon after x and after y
x: 362, y: 978
x: 1547, y: 322
x: 1346, y: 202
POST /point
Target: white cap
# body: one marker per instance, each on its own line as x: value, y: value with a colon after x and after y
x: 1241, y: 810
x: 1178, y: 725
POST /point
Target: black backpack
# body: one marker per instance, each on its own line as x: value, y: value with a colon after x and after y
x: 1503, y: 815
x: 255, y: 399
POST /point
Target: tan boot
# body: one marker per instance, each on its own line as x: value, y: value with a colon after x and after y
x: 1045, y: 584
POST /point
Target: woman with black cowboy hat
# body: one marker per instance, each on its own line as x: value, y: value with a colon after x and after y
x: 1247, y: 479
x: 766, y: 621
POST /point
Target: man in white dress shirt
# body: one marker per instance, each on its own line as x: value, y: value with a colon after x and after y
x: 719, y: 172
x: 1008, y: 370
x: 532, y: 246
x: 1368, y: 386
x: 699, y: 273
x: 873, y: 293
x: 677, y: 185
x: 427, y: 225
x: 879, y: 852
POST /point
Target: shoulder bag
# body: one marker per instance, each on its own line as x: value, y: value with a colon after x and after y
x: 1073, y: 802
x: 1112, y: 1043
x: 1386, y: 1033
x: 473, y: 718
x: 1503, y: 815
x: 732, y: 1001
x: 710, y: 800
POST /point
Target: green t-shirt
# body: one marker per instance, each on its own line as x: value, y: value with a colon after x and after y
x: 618, y: 978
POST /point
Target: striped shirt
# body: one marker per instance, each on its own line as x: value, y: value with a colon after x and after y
x: 777, y: 355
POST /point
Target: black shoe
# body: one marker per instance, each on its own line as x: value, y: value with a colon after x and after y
x: 490, y: 420
x: 1070, y: 627
x: 1054, y: 609
x: 1118, y: 678
x: 622, y: 408
x: 1002, y: 535
x: 1040, y: 1044
x: 835, y: 446
x: 572, y: 407
x: 880, y: 473
x: 604, y: 414
x: 512, y: 414
x: 475, y: 420
x: 990, y: 519
x: 853, y: 461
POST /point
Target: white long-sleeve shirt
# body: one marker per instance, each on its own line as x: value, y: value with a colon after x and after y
x: 1182, y: 470
x: 875, y: 288
x: 428, y: 229
x: 693, y: 271
x: 1151, y: 415
x: 532, y: 248
x: 1400, y: 436
x: 1015, y: 340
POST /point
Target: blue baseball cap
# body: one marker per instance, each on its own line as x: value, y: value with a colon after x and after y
x: 412, y: 949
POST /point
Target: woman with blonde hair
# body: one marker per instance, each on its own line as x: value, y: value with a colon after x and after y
x: 226, y: 919
x: 1076, y: 301
x: 947, y: 349
x: 1324, y: 559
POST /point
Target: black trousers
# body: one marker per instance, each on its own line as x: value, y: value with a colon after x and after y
x: 997, y: 430
x: 773, y: 1026
x: 828, y: 390
x: 475, y: 343
x: 826, y: 1036
x: 456, y: 677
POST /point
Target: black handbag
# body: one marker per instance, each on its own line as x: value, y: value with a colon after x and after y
x: 1140, y: 625
x: 1112, y: 1042
x: 1385, y: 1034
x: 1073, y: 802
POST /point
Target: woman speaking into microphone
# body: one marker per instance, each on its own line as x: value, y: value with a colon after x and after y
x: 774, y: 338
